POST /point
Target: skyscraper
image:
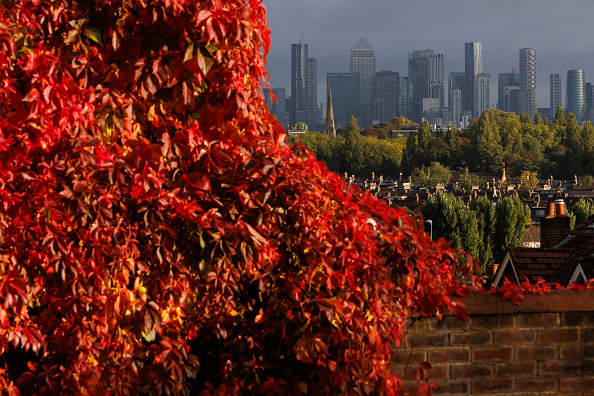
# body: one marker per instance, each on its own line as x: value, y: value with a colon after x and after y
x: 311, y: 93
x: 482, y: 93
x: 387, y: 89
x: 456, y: 106
x: 298, y: 101
x: 418, y: 78
x: 556, y: 92
x: 576, y: 100
x: 473, y: 63
x: 437, y: 78
x: 456, y: 81
x: 346, y: 94
x: 277, y: 108
x: 511, y: 99
x: 426, y: 79
x: 528, y: 81
x: 403, y: 97
x: 363, y: 62
x: 507, y: 80
x: 589, y: 95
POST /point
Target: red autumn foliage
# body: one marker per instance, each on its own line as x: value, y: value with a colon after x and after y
x: 515, y: 293
x: 157, y: 236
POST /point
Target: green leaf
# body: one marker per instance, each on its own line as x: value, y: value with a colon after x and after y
x: 189, y: 54
x: 204, y: 62
x: 93, y: 34
x: 72, y: 35
x: 149, y: 335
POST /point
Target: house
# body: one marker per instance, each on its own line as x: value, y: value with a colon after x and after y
x: 570, y: 260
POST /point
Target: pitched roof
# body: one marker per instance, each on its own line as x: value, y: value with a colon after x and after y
x: 362, y: 44
x: 557, y: 264
x: 581, y: 239
x: 588, y: 267
x: 552, y: 265
x: 544, y: 263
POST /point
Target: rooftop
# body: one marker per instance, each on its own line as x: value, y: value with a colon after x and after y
x: 363, y: 44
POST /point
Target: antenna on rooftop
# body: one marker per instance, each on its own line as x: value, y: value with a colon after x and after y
x: 301, y: 38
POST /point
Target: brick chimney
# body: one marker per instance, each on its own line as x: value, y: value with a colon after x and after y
x: 556, y: 226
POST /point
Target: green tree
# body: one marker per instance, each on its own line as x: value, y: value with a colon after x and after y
x: 353, y: 159
x: 512, y: 217
x: 525, y: 119
x: 326, y: 148
x: 559, y: 115
x: 430, y: 176
x: 587, y: 181
x: 409, y: 157
x: 583, y: 209
x: 453, y: 220
x: 425, y: 142
x: 301, y: 126
x: 528, y: 180
x: 489, y: 152
x: 467, y: 180
x: 486, y: 222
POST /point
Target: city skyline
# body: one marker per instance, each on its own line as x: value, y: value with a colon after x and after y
x: 393, y: 31
x: 378, y: 94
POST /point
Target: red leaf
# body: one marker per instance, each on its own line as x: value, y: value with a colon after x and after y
x: 32, y: 96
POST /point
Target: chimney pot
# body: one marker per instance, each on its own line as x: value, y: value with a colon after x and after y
x: 551, y: 209
x: 560, y: 207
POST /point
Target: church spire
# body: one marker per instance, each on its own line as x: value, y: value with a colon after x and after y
x: 330, y: 127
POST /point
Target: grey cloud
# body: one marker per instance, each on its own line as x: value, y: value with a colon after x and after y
x: 561, y: 32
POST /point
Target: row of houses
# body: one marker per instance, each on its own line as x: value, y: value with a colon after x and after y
x: 551, y: 249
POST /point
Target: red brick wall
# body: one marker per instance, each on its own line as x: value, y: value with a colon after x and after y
x: 545, y: 346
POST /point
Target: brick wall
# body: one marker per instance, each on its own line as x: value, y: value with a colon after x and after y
x: 545, y: 346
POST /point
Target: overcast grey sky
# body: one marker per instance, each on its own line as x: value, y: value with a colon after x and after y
x: 562, y: 31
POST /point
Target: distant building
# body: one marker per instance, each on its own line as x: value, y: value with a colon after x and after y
x: 298, y: 101
x: 556, y: 92
x: 576, y: 99
x: 455, y: 81
x: 346, y: 93
x: 482, y: 93
x: 430, y: 104
x: 387, y: 92
x: 507, y: 80
x: 426, y: 79
x: 588, y: 93
x: 589, y: 110
x: 511, y: 99
x: 456, y: 106
x: 403, y: 97
x: 465, y: 119
x: 312, y: 115
x: 277, y: 108
x: 590, y: 115
x: 528, y: 81
x: 545, y: 112
x: 363, y: 62
x: 330, y: 125
x: 446, y: 116
x: 473, y: 63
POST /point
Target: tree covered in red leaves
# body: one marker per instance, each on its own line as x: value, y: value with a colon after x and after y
x: 158, y: 236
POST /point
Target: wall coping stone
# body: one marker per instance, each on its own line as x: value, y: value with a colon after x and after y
x: 557, y: 301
